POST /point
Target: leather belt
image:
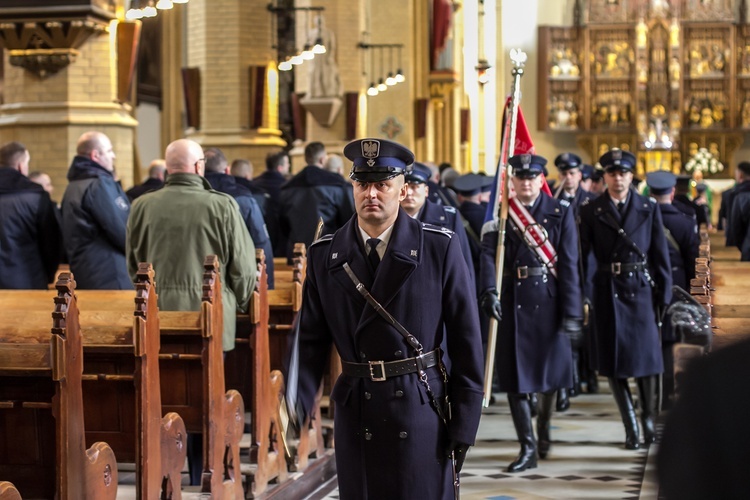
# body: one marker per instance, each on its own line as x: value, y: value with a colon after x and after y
x: 378, y: 371
x: 523, y: 272
x: 623, y: 267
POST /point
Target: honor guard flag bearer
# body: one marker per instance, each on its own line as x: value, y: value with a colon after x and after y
x: 399, y: 414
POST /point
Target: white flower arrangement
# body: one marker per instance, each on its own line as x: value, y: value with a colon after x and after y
x: 704, y: 161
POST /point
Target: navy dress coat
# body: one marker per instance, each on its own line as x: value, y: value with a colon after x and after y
x: 684, y: 230
x: 533, y: 355
x: 627, y: 343
x: 389, y: 440
x: 447, y: 217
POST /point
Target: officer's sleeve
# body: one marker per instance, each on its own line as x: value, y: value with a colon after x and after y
x: 486, y: 278
x: 464, y: 346
x: 241, y: 267
x: 314, y: 341
x: 102, y: 201
x: 568, y: 277
x: 463, y: 239
x: 49, y: 236
x: 689, y: 251
x: 659, y: 263
x: 585, y: 233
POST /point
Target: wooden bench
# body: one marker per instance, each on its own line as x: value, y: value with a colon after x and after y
x: 121, y: 384
x: 248, y: 369
x: 192, y: 384
x: 43, y: 448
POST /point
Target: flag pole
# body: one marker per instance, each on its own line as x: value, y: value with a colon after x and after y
x: 518, y: 58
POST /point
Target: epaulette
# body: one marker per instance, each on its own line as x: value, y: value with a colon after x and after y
x: 564, y: 203
x: 586, y: 202
x: 437, y: 229
x: 653, y: 201
x: 322, y: 239
x: 449, y: 209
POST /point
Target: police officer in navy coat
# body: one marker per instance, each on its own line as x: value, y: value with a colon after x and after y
x: 417, y: 205
x: 625, y: 301
x: 539, y: 312
x: 390, y: 440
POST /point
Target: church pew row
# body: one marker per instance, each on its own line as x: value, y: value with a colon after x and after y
x: 42, y: 450
x: 8, y: 491
x: 121, y: 384
x: 192, y: 384
x: 248, y: 370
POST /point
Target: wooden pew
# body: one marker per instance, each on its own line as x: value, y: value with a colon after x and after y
x: 248, y: 369
x: 43, y: 448
x: 121, y: 384
x: 192, y: 378
x: 8, y: 491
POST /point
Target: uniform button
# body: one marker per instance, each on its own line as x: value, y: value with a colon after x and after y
x: 398, y: 353
x: 403, y: 434
x: 399, y: 393
x: 519, y: 306
x: 632, y: 295
x: 630, y: 274
x: 368, y: 395
x: 518, y: 283
x: 536, y: 283
x: 362, y: 355
x: 368, y: 436
x: 615, y: 295
x: 536, y: 307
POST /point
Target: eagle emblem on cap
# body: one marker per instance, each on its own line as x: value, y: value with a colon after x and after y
x: 617, y: 154
x: 525, y: 160
x: 370, y: 150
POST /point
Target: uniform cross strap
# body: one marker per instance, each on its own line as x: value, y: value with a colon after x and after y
x: 523, y: 272
x: 378, y: 371
x: 623, y: 267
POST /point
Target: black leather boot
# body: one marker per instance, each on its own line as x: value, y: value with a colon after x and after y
x: 546, y: 403
x: 576, y: 389
x: 624, y: 400
x: 647, y: 387
x: 563, y: 401
x: 534, y: 402
x: 592, y: 382
x: 520, y: 409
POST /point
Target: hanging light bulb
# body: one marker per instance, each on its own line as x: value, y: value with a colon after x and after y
x: 391, y: 80
x: 149, y: 10
x: 307, y: 53
x: 164, y: 4
x: 382, y: 87
x: 133, y: 14
x: 285, y: 65
x: 400, y: 78
x: 373, y: 90
x: 319, y: 48
x: 296, y: 60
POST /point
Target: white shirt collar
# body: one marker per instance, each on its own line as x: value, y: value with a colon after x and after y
x: 384, y: 238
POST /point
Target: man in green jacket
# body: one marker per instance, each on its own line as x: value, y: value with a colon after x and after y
x: 176, y: 227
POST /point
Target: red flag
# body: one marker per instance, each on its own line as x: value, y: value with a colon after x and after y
x: 524, y: 145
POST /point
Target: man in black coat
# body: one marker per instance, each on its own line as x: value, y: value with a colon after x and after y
x: 684, y: 203
x: 738, y: 222
x: 419, y: 207
x: 705, y: 447
x: 539, y: 307
x: 681, y: 232
x: 30, y: 237
x: 727, y: 197
x: 94, y: 217
x: 156, y: 172
x: 276, y: 174
x: 311, y: 195
x: 391, y: 439
x: 217, y: 174
x: 633, y: 280
x: 242, y: 171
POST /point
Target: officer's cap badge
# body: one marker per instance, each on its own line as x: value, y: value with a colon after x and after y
x: 371, y: 150
x: 525, y: 161
x: 617, y: 154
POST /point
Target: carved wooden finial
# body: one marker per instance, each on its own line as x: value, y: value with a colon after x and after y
x: 210, y: 273
x: 65, y: 287
x: 144, y: 281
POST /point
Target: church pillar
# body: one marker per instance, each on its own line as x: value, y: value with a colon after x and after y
x: 48, y: 106
x: 230, y: 42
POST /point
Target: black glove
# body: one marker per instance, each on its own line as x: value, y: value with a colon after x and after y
x: 460, y: 450
x: 573, y: 329
x: 490, y: 304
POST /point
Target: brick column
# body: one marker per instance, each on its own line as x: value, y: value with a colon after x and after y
x: 48, y: 115
x: 224, y: 39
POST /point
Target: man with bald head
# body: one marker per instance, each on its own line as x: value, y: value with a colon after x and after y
x: 29, y: 232
x: 94, y: 214
x: 156, y: 172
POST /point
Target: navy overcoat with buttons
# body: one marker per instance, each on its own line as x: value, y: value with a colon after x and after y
x: 389, y: 439
x: 628, y: 343
x: 533, y: 354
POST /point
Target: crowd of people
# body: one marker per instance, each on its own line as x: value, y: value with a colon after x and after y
x: 585, y: 276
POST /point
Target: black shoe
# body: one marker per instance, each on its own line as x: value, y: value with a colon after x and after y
x: 563, y: 401
x: 649, y: 432
x: 525, y: 460
x: 592, y: 383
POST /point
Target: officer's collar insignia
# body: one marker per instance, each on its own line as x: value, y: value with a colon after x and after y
x: 617, y: 154
x: 335, y: 255
x: 413, y: 253
x: 371, y: 150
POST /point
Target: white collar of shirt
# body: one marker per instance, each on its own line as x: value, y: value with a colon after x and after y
x: 384, y: 238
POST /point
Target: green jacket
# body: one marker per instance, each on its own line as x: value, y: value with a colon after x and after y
x: 175, y: 228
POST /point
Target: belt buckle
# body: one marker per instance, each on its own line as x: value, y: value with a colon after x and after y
x: 382, y: 377
x: 616, y: 268
x: 522, y: 272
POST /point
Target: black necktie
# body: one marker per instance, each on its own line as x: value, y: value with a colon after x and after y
x: 621, y: 207
x: 372, y: 257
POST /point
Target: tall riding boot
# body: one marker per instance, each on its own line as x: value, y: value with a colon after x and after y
x: 624, y: 400
x: 534, y: 402
x: 546, y: 403
x: 563, y: 401
x: 647, y: 387
x: 576, y: 389
x: 521, y: 412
